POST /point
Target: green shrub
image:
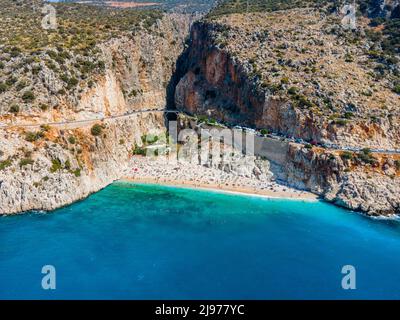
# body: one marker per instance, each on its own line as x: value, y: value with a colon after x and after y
x: 302, y: 101
x: 44, y: 128
x: 285, y: 80
x: 5, y: 163
x: 138, y: 150
x: 149, y: 139
x: 348, y: 115
x: 43, y: 106
x: 71, y: 139
x: 36, y: 184
x: 349, y: 58
x: 20, y: 85
x: 133, y: 93
x: 346, y: 155
x: 366, y: 156
x: 96, y: 130
x: 396, y: 89
x: 28, y: 96
x: 33, y: 136
x: 36, y: 69
x: 264, y: 132
x: 77, y: 172
x: 72, y: 82
x: 340, y: 122
x: 366, y: 150
x: 202, y: 119
x: 25, y: 162
x: 397, y: 164
x: 10, y: 81
x: 56, y: 165
x: 15, y: 52
x: 14, y: 108
x: 3, y: 87
x: 67, y: 165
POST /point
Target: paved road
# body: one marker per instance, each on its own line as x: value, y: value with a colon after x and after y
x: 259, y: 141
x: 85, y: 121
x: 127, y: 115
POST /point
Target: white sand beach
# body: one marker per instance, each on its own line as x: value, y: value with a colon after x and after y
x: 160, y: 171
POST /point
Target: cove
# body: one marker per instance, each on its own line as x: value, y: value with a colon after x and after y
x: 132, y: 241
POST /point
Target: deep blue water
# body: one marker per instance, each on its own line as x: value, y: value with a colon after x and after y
x: 151, y: 242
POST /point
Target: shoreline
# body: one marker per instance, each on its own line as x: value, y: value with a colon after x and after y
x: 268, y: 194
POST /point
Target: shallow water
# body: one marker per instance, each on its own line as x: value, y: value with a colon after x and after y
x: 155, y: 242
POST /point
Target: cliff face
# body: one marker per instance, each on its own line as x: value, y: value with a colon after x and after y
x: 220, y: 81
x: 218, y: 85
x: 45, y: 167
x: 382, y: 8
x: 317, y: 86
x: 345, y: 182
x: 235, y: 71
x: 51, y: 173
x: 374, y: 192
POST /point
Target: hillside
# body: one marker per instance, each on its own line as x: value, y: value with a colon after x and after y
x: 182, y: 6
x: 77, y: 102
x: 292, y: 70
x: 40, y: 69
x: 336, y: 87
x: 100, y: 64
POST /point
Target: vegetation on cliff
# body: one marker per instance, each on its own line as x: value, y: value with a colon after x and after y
x: 342, y: 83
x: 79, y: 26
x: 385, y: 19
x: 63, y: 57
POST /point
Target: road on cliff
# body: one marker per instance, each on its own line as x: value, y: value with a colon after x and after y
x: 78, y: 123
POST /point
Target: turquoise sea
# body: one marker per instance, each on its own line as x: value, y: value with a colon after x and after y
x: 155, y: 242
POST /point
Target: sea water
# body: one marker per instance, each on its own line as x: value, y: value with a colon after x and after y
x: 132, y: 241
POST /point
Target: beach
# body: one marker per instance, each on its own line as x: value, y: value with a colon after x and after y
x: 154, y: 170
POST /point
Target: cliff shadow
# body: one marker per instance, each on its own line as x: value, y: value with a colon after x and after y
x: 181, y: 67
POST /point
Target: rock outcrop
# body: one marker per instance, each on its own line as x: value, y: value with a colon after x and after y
x: 327, y: 174
x: 294, y: 73
x: 220, y: 81
x: 243, y: 69
x: 48, y: 166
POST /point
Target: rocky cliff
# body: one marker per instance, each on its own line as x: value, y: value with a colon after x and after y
x: 43, y: 167
x: 67, y: 107
x: 349, y: 183
x: 315, y: 86
x: 297, y: 74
